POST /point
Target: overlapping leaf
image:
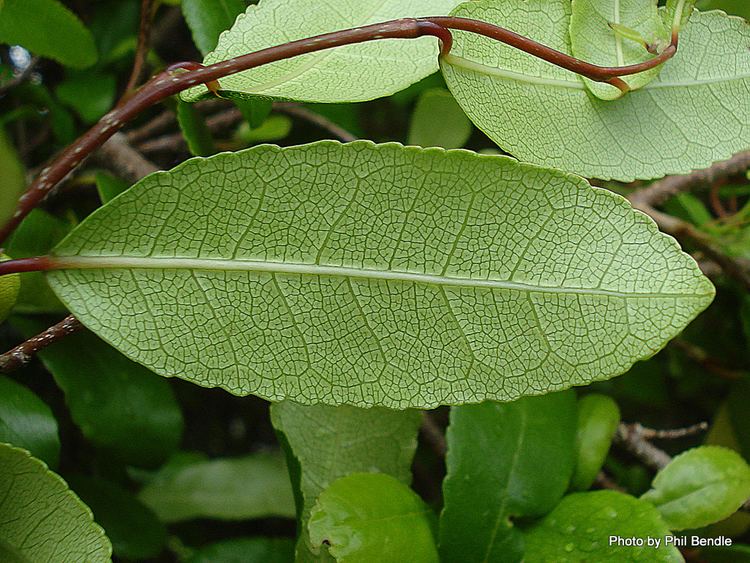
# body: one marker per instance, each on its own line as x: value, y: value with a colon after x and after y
x: 353, y: 73
x: 693, y: 114
x: 376, y: 275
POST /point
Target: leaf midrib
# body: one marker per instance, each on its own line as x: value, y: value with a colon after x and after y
x: 481, y: 68
x: 214, y: 264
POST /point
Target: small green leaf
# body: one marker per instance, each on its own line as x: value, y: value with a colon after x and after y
x: 593, y: 40
x: 582, y: 526
x: 275, y: 128
x: 246, y: 550
x: 90, y: 94
x: 367, y: 517
x: 348, y: 74
x: 255, y: 486
x: 109, y: 186
x: 692, y: 115
x: 40, y: 518
x: 194, y: 129
x: 504, y: 460
x: 438, y: 121
x: 133, y: 529
x: 376, y: 275
x: 678, y: 13
x: 27, y: 422
x: 36, y: 235
x: 255, y: 110
x: 47, y: 28
x: 120, y: 406
x: 598, y: 417
x: 207, y: 19
x: 324, y: 443
x: 700, y: 486
x: 12, y: 179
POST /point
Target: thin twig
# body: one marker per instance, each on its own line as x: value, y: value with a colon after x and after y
x: 632, y: 437
x: 673, y: 433
x: 22, y: 354
x: 659, y: 192
x: 301, y: 112
x: 144, y: 33
x: 118, y: 156
x: 21, y: 77
x: 701, y: 357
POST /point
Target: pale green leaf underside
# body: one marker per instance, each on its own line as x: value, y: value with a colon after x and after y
x: 354, y: 73
x: 377, y: 275
x: 40, y: 518
x: 594, y: 41
x: 693, y: 114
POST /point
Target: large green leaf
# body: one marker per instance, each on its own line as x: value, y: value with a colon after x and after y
x: 376, y: 275
x: 504, y: 460
x: 438, y: 121
x: 325, y: 443
x: 26, y: 421
x: 47, y: 28
x: 120, y: 406
x: 12, y: 180
x: 40, y: 518
x: 593, y: 40
x: 368, y: 517
x: 353, y: 73
x: 580, y: 529
x: 694, y: 113
x: 700, y: 487
x: 254, y: 486
x: 207, y: 19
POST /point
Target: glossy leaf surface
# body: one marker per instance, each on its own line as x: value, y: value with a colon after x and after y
x: 693, y: 114
x: 376, y: 275
x: 598, y: 417
x: 700, y: 486
x: 373, y: 517
x: 353, y: 73
x: 40, y: 518
x: 504, y: 460
x: 27, y: 422
x: 580, y: 527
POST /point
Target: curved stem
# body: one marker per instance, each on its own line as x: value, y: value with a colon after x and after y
x: 167, y: 83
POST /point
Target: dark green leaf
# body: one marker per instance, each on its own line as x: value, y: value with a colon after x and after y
x: 90, y: 94
x: 373, y: 517
x: 109, y: 187
x: 40, y: 518
x: 12, y: 178
x: 133, y: 529
x: 47, y: 28
x: 27, y: 422
x: 208, y: 18
x: 598, y: 417
x: 255, y: 486
x: 9, y: 288
x: 194, y: 129
x: 504, y: 460
x: 580, y: 527
x: 255, y: 110
x: 119, y: 405
x: 700, y: 486
x: 246, y: 550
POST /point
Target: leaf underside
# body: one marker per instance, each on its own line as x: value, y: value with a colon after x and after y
x: 353, y: 73
x: 370, y: 274
x: 693, y: 114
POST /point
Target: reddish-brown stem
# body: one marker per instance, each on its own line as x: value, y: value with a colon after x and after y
x: 22, y: 354
x: 167, y: 84
x: 35, y: 264
x: 558, y: 58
